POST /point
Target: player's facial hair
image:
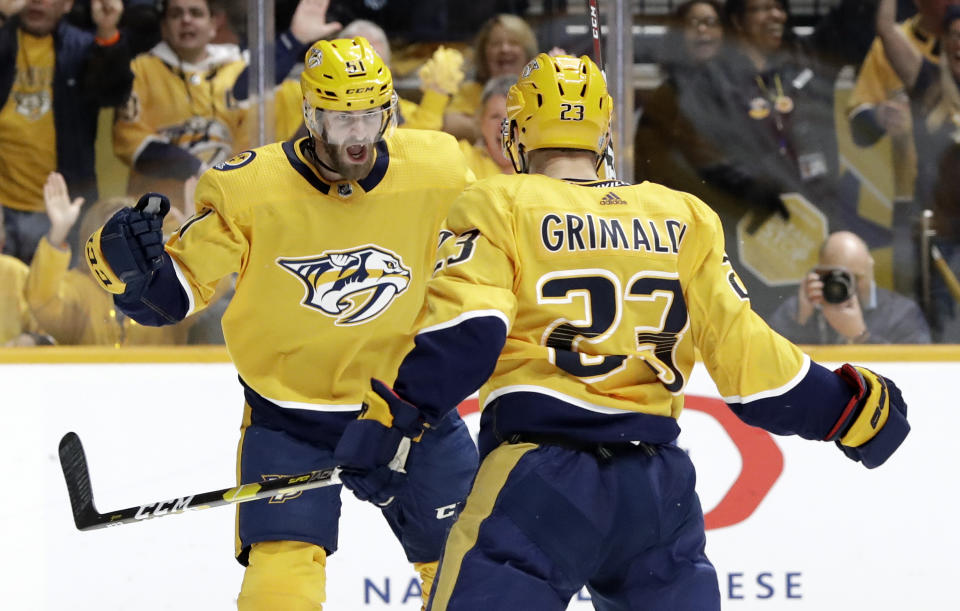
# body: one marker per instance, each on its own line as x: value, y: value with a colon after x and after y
x: 349, y: 171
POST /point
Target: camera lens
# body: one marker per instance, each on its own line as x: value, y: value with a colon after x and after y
x: 837, y: 285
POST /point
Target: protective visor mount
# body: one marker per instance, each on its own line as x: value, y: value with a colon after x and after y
x: 351, y: 127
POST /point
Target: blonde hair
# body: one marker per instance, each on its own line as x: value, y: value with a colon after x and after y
x: 372, y: 32
x: 515, y: 26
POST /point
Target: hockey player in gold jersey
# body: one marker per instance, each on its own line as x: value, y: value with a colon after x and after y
x: 334, y: 237
x: 577, y: 304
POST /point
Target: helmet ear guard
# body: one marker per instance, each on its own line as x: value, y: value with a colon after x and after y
x: 558, y: 103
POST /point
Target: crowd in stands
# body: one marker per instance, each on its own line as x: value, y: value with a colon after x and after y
x: 820, y: 147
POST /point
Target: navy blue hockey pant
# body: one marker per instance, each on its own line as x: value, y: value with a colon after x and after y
x: 543, y: 521
x: 440, y: 470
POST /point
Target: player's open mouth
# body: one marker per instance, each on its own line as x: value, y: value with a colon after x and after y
x: 357, y: 152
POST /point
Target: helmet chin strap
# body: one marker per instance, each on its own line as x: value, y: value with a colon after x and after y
x: 522, y: 167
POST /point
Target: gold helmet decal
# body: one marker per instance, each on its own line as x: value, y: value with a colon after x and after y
x: 558, y: 102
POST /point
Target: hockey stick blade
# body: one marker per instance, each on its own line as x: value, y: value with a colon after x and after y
x: 73, y: 461
x: 74, y: 464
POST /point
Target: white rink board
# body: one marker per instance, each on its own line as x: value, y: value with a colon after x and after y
x: 828, y: 534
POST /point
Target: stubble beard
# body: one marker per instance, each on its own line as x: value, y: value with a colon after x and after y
x: 337, y: 154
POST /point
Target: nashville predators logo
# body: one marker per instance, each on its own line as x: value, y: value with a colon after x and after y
x: 237, y: 161
x: 33, y: 105
x: 353, y: 286
x: 280, y: 498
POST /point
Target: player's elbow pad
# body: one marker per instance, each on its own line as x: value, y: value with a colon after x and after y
x: 873, y: 424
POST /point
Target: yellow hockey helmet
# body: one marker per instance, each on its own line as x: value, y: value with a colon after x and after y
x: 558, y: 102
x: 346, y: 76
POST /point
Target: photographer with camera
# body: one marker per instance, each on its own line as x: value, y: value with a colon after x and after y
x: 840, y: 303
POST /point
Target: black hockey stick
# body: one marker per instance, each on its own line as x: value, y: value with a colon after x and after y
x: 73, y: 461
x: 593, y: 14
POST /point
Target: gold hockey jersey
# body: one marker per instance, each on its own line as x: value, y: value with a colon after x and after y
x: 331, y: 276
x: 602, y: 291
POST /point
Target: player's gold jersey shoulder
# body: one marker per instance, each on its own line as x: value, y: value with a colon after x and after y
x: 424, y: 147
x: 428, y: 159
x: 608, y: 195
x: 244, y: 178
x: 420, y: 137
x: 262, y: 159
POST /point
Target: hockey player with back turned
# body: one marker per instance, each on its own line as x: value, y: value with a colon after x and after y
x: 333, y: 237
x: 577, y: 304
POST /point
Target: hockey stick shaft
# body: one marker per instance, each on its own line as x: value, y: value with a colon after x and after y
x: 593, y: 11
x: 73, y: 461
x: 949, y: 278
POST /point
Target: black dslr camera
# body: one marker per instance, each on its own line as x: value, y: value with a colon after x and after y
x: 838, y: 284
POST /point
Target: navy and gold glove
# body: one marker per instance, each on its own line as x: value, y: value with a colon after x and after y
x: 874, y: 422
x: 129, y: 246
x: 373, y: 449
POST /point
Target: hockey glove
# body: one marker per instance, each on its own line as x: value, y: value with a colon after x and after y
x: 129, y: 246
x: 443, y: 72
x: 874, y: 422
x: 373, y: 449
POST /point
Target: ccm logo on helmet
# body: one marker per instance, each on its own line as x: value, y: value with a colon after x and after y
x: 360, y: 90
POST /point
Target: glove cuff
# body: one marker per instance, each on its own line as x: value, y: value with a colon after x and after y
x: 874, y: 422
x: 384, y: 405
x: 852, y: 377
x: 407, y: 419
x: 101, y: 270
x: 876, y: 451
x: 867, y: 412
